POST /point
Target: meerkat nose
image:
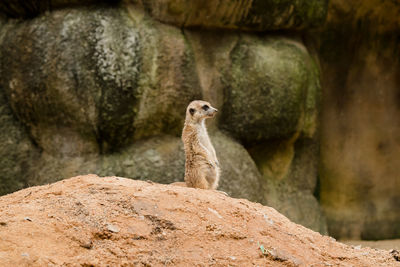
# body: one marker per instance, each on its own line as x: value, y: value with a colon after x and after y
x: 216, y: 110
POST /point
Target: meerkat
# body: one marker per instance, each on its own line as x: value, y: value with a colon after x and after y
x: 201, y: 163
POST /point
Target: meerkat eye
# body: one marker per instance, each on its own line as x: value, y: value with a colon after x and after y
x: 205, y: 107
x: 192, y: 110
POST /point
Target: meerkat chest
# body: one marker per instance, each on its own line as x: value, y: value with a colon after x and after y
x: 204, y: 141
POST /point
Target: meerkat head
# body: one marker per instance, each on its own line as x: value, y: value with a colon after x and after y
x: 199, y: 110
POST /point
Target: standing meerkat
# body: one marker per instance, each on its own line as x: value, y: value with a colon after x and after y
x: 201, y: 163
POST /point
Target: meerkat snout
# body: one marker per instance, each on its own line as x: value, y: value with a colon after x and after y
x: 201, y: 164
x: 213, y: 111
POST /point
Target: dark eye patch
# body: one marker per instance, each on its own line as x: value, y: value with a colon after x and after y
x: 192, y: 110
x: 205, y: 107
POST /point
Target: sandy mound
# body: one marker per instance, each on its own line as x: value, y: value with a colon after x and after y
x: 92, y: 221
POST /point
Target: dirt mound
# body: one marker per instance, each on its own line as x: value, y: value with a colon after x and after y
x: 93, y: 221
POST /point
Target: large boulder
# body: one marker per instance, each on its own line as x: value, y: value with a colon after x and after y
x: 81, y: 77
x: 257, y: 15
x: 276, y: 76
x: 57, y: 71
x: 277, y: 122
x: 360, y: 130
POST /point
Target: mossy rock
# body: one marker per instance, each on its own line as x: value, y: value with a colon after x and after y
x: 268, y: 87
x: 59, y: 72
x: 96, y: 79
x: 257, y: 15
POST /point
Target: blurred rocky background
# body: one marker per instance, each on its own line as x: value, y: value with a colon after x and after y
x: 309, y: 93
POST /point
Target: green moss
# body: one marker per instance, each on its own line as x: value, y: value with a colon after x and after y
x: 273, y: 76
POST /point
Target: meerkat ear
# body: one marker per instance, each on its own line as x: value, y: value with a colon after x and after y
x: 192, y: 110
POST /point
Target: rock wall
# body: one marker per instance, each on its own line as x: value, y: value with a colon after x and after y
x: 360, y: 129
x: 103, y: 89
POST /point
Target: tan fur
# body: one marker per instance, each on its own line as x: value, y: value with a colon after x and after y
x: 201, y: 165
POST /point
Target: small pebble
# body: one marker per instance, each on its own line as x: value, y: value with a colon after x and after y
x: 87, y: 245
x: 28, y: 219
x: 112, y: 228
x: 215, y: 212
x: 268, y: 220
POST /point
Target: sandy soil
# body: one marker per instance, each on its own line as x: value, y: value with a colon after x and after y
x: 92, y: 221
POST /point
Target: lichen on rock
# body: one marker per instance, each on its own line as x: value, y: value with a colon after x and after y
x: 273, y: 75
